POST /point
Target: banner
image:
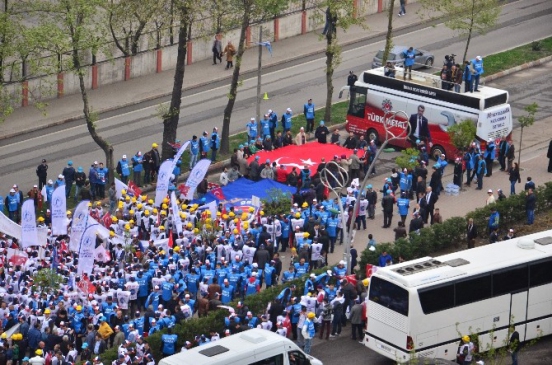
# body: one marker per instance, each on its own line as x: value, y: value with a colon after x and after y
x: 13, y: 229
x: 196, y: 176
x: 163, y: 177
x: 101, y: 254
x: 17, y: 257
x: 29, y: 232
x: 86, y: 286
x: 87, y: 250
x: 102, y: 231
x: 176, y: 213
x: 80, y: 219
x: 59, y: 212
x: 179, y: 153
x: 119, y: 186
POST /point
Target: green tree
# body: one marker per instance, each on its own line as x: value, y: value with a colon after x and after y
x: 407, y: 158
x: 47, y: 281
x: 462, y: 134
x: 73, y: 27
x: 338, y: 15
x: 465, y: 16
x: 276, y: 202
x: 244, y: 13
x: 526, y: 120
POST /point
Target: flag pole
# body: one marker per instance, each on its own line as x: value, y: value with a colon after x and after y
x: 259, y: 68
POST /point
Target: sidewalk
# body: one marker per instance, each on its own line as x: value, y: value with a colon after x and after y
x: 135, y: 91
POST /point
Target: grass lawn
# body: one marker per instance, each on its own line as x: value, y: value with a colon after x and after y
x: 517, y: 56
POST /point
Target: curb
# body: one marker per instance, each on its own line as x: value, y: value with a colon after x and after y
x: 157, y: 96
x: 513, y: 70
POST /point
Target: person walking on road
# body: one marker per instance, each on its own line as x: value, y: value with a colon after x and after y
x: 514, y: 178
x: 42, y: 173
x: 217, y: 50
x: 230, y: 52
x: 403, y: 9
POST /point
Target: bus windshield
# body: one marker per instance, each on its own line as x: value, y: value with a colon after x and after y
x: 357, y: 104
x: 389, y: 295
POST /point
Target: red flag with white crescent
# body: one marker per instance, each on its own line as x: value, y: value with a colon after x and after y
x: 134, y: 189
x: 106, y: 220
x: 218, y: 193
x: 171, y: 241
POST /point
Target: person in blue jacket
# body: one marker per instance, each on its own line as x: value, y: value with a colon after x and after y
x: 265, y: 127
x: 273, y: 118
x: 204, y: 145
x: 467, y: 77
x: 490, y: 153
x: 215, y: 144
x: 123, y: 169
x: 478, y: 70
x: 168, y: 342
x: 194, y: 151
x: 137, y: 168
x: 286, y: 120
x: 409, y: 59
x: 384, y: 259
x: 227, y: 292
x: 252, y: 129
x: 403, y: 203
x: 308, y: 112
x: 481, y: 171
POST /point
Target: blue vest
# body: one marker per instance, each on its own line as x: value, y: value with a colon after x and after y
x: 287, y: 121
x: 194, y: 147
x: 169, y: 342
x: 204, y: 144
x: 288, y: 276
x: 273, y: 120
x: 309, y: 111
x: 478, y: 66
x: 403, y: 203
x: 227, y: 294
x: 192, y: 282
x: 252, y: 129
x: 301, y: 270
x: 136, y: 162
x: 251, y: 287
x: 331, y: 227
x: 166, y: 291
x: 124, y: 168
x: 13, y: 203
x: 265, y: 127
x: 268, y: 271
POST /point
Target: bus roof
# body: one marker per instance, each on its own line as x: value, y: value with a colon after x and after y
x: 429, y: 270
x: 428, y: 85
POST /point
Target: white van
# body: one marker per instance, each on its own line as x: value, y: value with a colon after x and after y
x: 252, y: 347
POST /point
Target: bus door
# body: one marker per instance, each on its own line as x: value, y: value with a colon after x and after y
x: 518, y: 311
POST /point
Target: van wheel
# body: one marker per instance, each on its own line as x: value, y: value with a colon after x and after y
x: 429, y: 63
x: 437, y: 151
x: 372, y: 134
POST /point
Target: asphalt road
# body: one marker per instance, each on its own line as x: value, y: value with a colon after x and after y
x: 289, y: 85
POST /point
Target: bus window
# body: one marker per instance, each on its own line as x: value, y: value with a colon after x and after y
x: 473, y: 290
x: 389, y: 295
x: 437, y: 298
x: 540, y: 273
x: 510, y: 280
x: 357, y: 104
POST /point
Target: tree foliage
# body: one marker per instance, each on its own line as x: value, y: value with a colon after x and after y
x: 462, y: 134
x: 407, y: 158
x: 276, y: 202
x: 47, y: 281
x: 465, y: 16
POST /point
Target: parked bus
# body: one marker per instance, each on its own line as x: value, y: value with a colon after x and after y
x: 375, y: 94
x: 421, y: 308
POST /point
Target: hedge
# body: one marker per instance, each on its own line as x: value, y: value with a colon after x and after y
x: 452, y: 232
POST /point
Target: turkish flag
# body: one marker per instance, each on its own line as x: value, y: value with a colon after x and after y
x: 309, y: 154
x: 134, y: 189
x: 86, y: 286
x: 183, y: 189
x: 18, y: 260
x: 171, y: 241
x: 218, y: 194
x: 106, y: 220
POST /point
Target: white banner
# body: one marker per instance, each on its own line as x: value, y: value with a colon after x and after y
x: 87, y: 250
x: 212, y: 206
x: 29, y: 232
x: 179, y: 153
x: 163, y: 177
x: 101, y: 254
x: 176, y: 213
x: 119, y: 186
x: 196, y: 176
x: 59, y: 212
x: 13, y: 229
x: 103, y: 232
x: 255, y: 201
x: 80, y: 218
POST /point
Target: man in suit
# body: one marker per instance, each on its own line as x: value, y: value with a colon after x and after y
x: 431, y: 199
x: 471, y: 233
x: 419, y: 128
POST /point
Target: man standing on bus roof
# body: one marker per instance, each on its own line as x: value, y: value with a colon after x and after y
x: 308, y: 112
x: 409, y: 58
x: 477, y: 65
x: 419, y: 127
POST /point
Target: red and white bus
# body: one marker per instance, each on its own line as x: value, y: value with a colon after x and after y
x: 375, y: 94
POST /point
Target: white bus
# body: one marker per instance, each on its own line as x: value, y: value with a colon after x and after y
x: 422, y: 307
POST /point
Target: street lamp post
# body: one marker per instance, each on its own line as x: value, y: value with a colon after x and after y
x: 401, y: 130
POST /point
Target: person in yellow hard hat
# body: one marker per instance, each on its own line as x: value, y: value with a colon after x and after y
x: 465, y: 352
x: 308, y: 331
x: 151, y: 163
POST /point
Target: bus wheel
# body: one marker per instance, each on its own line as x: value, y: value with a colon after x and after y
x: 437, y: 151
x: 372, y: 135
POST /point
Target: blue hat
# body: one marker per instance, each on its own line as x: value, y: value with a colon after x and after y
x: 257, y: 157
x: 389, y: 191
x: 26, y: 358
x: 369, y: 186
x: 252, y: 141
x: 80, y: 169
x: 321, y: 122
x: 267, y: 160
x: 437, y: 166
x: 417, y: 141
x: 388, y: 179
x: 240, y: 146
x: 85, y: 345
x: 70, y: 163
x: 245, y: 144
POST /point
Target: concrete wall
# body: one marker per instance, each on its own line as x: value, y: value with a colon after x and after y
x: 111, y: 65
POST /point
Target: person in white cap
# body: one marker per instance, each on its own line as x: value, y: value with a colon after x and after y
x: 286, y: 120
x: 477, y: 66
x: 123, y: 169
x: 252, y: 129
x: 490, y: 197
x: 273, y: 123
x: 509, y: 235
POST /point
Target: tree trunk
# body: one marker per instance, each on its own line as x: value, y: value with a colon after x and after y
x: 469, y: 32
x: 225, y: 138
x: 106, y: 147
x: 330, y: 54
x: 170, y: 120
x: 520, y: 139
x: 389, y: 36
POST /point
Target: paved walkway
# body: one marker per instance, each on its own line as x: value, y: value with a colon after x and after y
x: 137, y: 90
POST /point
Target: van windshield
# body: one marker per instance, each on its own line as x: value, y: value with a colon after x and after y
x: 388, y: 295
x: 390, y: 57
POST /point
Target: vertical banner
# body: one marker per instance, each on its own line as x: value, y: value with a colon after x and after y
x: 80, y: 219
x: 163, y: 177
x: 87, y: 250
x: 212, y: 206
x: 179, y: 154
x: 59, y: 209
x: 196, y: 175
x: 29, y: 232
x: 176, y: 214
x: 119, y: 186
